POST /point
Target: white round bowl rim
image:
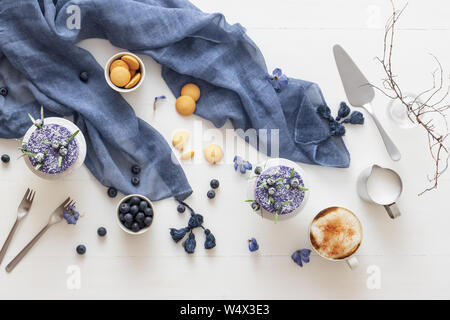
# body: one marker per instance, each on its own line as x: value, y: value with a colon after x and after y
x: 114, y: 57
x: 120, y: 222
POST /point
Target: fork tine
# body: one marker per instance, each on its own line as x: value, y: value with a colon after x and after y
x: 26, y: 194
x: 65, y: 202
x: 32, y: 197
x: 71, y: 203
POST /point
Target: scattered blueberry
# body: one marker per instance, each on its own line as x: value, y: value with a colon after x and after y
x: 81, y: 249
x: 258, y: 170
x: 140, y: 217
x: 4, y: 91
x: 134, y: 209
x: 5, y: 158
x: 214, y: 183
x: 112, y: 192
x: 148, y: 221
x: 135, y: 180
x: 135, y: 227
x: 128, y: 217
x: 136, y: 169
x: 124, y: 207
x: 148, y: 211
x: 301, y: 256
x: 211, y: 194
x: 253, y: 245
x: 255, y: 206
x: 84, y: 76
x: 135, y: 201
x: 101, y: 231
x: 142, y: 205
x: 181, y: 208
x: 271, y: 191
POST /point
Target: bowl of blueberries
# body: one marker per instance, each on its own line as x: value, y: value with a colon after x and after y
x: 135, y: 214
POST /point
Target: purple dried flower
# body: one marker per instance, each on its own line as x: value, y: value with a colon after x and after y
x: 301, y: 256
x: 278, y: 80
x: 253, y: 245
x: 344, y: 111
x: 71, y: 215
x: 355, y: 118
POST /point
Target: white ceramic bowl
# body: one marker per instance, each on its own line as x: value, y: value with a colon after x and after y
x: 120, y: 222
x: 79, y: 138
x: 271, y: 163
x: 116, y: 57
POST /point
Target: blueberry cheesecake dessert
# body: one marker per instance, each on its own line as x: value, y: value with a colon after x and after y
x: 135, y: 213
x: 279, y: 190
x: 51, y: 148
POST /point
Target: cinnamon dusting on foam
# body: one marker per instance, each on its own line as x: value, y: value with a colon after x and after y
x: 336, y: 233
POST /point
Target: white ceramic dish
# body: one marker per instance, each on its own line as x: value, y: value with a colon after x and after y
x: 118, y: 56
x: 271, y: 163
x: 79, y: 138
x: 120, y: 223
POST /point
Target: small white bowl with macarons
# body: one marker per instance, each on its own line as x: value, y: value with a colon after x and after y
x: 124, y: 72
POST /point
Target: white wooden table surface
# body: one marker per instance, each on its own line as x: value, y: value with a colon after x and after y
x: 409, y: 256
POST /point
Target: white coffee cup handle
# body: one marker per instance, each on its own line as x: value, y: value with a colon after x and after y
x: 352, y: 262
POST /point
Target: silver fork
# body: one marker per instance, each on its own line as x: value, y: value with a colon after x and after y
x: 22, y: 211
x: 55, y: 217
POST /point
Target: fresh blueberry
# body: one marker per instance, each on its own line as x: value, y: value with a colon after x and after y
x: 181, y: 208
x: 148, y: 221
x: 214, y: 183
x: 63, y: 151
x: 258, y: 170
x: 135, y: 180
x: 255, y: 206
x: 272, y: 191
x: 101, y: 231
x: 128, y: 217
x: 135, y: 201
x: 55, y: 144
x: 136, y: 169
x: 148, y: 212
x: 135, y: 227
x: 5, y: 158
x: 121, y: 217
x: 127, y: 224
x: 64, y: 143
x: 124, y: 207
x: 270, y: 181
x: 4, y: 91
x: 277, y: 205
x: 112, y: 192
x: 81, y: 249
x: 141, y: 224
x: 140, y: 217
x: 211, y: 194
x: 84, y: 76
x: 134, y: 209
x: 39, y: 157
x: 294, y: 183
x: 142, y: 205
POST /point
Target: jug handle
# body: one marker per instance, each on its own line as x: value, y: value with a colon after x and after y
x: 392, y: 210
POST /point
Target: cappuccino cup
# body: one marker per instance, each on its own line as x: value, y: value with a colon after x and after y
x: 336, y: 234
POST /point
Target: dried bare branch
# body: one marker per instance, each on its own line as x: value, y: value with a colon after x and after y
x: 429, y: 102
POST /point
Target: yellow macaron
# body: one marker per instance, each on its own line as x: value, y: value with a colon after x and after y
x: 120, y: 76
x: 191, y: 90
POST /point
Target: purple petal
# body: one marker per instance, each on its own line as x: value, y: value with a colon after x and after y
x: 277, y: 72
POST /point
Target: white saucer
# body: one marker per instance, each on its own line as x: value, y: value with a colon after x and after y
x: 252, y: 182
x: 79, y: 138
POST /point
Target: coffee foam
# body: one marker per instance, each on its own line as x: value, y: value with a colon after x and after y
x: 336, y: 233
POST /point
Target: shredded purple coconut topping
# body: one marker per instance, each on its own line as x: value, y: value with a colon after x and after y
x: 51, y: 132
x: 291, y: 197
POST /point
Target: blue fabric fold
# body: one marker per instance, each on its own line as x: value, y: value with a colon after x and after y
x: 40, y: 64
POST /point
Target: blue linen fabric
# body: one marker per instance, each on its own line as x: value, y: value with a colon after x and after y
x: 40, y: 65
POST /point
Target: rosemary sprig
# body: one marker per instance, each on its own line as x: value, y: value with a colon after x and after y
x: 302, y: 188
x: 276, y: 217
x: 60, y: 158
x: 46, y: 142
x: 38, y: 166
x: 292, y: 173
x: 42, y: 114
x: 73, y: 135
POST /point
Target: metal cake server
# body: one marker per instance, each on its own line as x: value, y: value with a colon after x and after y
x: 360, y: 93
